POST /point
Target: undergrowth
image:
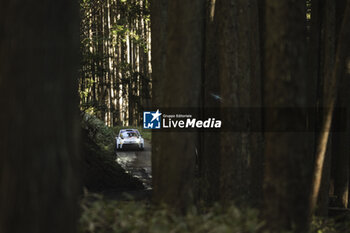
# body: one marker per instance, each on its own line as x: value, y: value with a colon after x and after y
x: 106, y: 216
x: 101, y: 134
x: 100, y: 215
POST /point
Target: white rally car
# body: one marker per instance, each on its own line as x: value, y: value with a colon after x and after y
x: 129, y: 138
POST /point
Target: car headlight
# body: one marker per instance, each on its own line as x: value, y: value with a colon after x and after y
x: 121, y: 141
x: 137, y: 140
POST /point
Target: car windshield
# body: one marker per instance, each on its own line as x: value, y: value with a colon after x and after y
x: 128, y: 134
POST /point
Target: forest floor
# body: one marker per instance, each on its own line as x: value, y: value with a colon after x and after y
x: 137, y: 163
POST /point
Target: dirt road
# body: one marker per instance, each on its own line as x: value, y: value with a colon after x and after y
x: 137, y: 163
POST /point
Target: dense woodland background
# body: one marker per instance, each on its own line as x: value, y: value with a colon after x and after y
x: 115, y: 78
x: 124, y: 56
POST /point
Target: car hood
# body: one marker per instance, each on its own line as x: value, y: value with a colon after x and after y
x: 130, y: 139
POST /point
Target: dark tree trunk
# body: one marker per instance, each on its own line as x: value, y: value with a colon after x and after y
x: 232, y: 81
x: 324, y: 29
x: 241, y: 153
x: 173, y: 164
x: 39, y: 124
x: 341, y: 150
x: 288, y: 154
x: 341, y: 164
x: 340, y: 145
x: 209, y: 164
x: 159, y: 16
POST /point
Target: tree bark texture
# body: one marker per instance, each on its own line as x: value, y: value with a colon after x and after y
x: 177, y: 84
x: 288, y: 154
x: 39, y: 123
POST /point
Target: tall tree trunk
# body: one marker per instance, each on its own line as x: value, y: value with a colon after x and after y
x: 209, y: 165
x: 288, y: 154
x: 342, y: 147
x: 232, y: 81
x: 39, y: 123
x: 159, y: 16
x: 239, y: 77
x: 327, y: 57
x: 174, y: 163
x: 341, y: 150
x: 330, y: 100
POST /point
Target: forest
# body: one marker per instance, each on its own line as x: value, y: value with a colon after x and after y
x: 269, y: 78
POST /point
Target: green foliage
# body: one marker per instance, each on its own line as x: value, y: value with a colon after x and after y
x: 100, y: 215
x: 99, y: 132
x: 338, y: 224
x: 103, y: 216
x: 320, y: 225
x: 84, y: 93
